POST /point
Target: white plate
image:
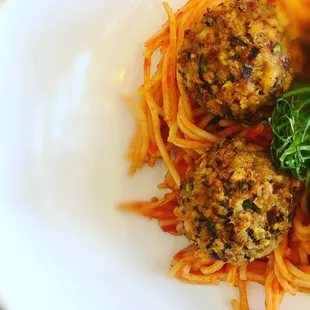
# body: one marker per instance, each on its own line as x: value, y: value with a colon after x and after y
x: 64, y: 134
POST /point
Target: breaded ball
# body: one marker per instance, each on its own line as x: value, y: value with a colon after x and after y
x: 238, y: 59
x: 235, y: 205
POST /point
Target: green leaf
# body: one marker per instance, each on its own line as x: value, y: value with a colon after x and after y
x: 277, y: 49
x: 190, y: 187
x: 290, y: 124
x: 215, y: 120
x: 249, y: 205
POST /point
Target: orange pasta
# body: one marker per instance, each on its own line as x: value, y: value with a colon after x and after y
x: 268, y: 284
x: 244, y: 305
x: 177, y: 131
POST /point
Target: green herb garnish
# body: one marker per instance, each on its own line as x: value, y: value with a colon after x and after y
x: 215, y: 120
x: 276, y: 49
x: 211, y: 226
x: 215, y: 256
x: 290, y: 124
x: 190, y: 187
x: 249, y: 205
x: 202, y: 68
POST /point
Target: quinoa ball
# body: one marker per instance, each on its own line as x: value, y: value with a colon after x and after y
x: 237, y: 60
x: 235, y: 205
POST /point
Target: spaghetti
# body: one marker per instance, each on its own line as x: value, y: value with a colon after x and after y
x: 171, y: 128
